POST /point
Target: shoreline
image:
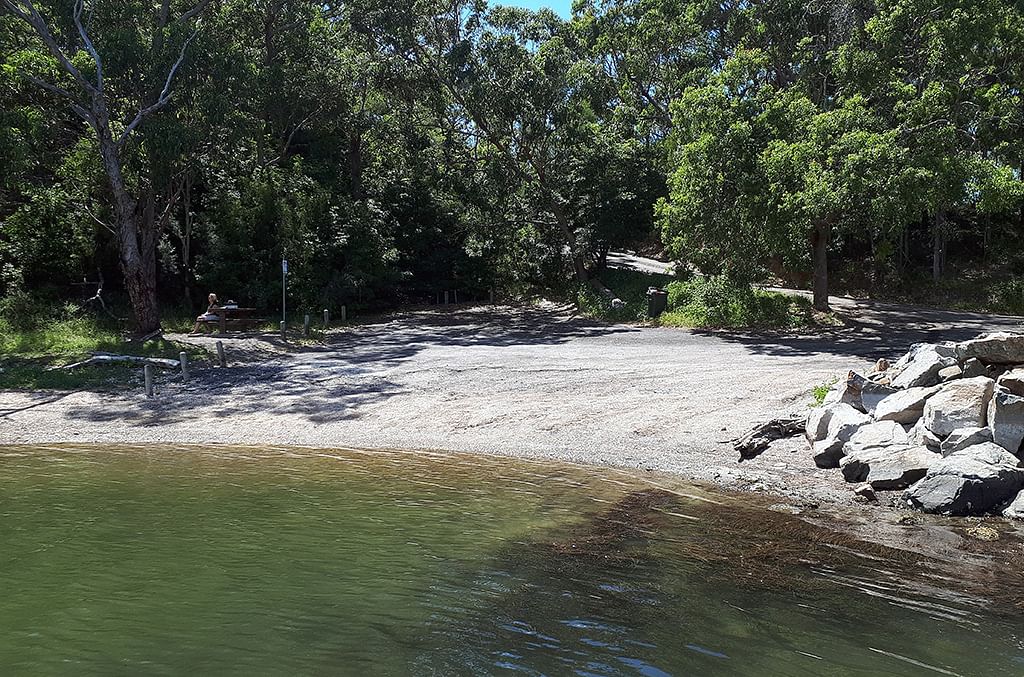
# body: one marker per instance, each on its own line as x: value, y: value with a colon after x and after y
x: 523, y: 383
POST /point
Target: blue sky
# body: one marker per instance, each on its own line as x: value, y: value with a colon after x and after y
x: 562, y: 7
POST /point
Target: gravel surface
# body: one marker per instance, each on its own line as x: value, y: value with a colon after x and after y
x: 531, y: 382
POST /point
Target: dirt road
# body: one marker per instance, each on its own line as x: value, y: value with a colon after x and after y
x: 525, y: 382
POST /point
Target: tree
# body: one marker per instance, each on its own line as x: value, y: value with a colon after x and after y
x: 92, y: 98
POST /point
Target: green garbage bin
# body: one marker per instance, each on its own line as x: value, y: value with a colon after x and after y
x: 657, y: 301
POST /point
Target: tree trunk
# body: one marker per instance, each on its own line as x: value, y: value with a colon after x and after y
x: 139, y: 275
x: 563, y: 224
x: 938, y: 246
x: 819, y: 242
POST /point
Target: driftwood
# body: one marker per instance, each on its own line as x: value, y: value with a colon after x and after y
x: 762, y: 435
x: 108, y: 358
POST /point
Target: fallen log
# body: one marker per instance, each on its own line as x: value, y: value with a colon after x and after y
x: 107, y: 358
x: 761, y: 436
x: 607, y: 293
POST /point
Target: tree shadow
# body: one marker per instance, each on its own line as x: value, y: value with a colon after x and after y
x: 873, y: 330
x: 344, y: 377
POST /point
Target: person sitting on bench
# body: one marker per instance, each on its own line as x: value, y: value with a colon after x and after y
x: 209, y: 315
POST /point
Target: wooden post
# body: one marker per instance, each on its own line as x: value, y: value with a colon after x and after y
x: 305, y: 325
x: 220, y: 354
x: 327, y: 318
x: 221, y: 321
x: 183, y: 359
x: 344, y: 314
x: 283, y: 336
x: 492, y: 296
x: 446, y: 298
x: 456, y: 293
x: 147, y: 374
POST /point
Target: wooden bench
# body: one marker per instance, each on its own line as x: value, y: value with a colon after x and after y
x: 241, y: 319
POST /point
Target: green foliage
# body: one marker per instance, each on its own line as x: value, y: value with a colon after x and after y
x: 629, y: 286
x: 820, y: 392
x: 717, y: 302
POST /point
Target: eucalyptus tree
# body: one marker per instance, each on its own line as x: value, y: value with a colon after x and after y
x: 90, y: 67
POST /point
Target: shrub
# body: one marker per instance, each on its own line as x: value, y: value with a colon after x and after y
x: 716, y: 301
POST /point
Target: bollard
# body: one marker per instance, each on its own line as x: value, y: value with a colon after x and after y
x: 147, y: 374
x: 327, y: 318
x: 446, y: 298
x: 456, y: 293
x: 305, y: 325
x: 344, y: 314
x: 492, y: 296
x: 220, y: 354
x: 183, y: 359
x: 283, y: 336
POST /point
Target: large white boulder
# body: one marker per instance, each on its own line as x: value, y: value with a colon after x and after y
x: 904, y: 406
x: 961, y: 438
x: 878, y: 434
x: 1006, y: 419
x: 921, y: 436
x: 995, y: 348
x: 958, y: 404
x: 844, y: 421
x: 887, y: 468
x: 872, y: 394
x: 972, y: 481
x: 1016, y: 507
x: 920, y: 366
x: 1013, y: 381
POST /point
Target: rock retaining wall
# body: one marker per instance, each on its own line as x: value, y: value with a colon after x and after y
x: 944, y: 425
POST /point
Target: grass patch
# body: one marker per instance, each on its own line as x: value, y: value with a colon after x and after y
x: 31, y: 347
x: 714, y: 302
x: 821, y: 392
x: 630, y: 286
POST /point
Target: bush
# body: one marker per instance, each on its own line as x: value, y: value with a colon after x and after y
x: 716, y: 301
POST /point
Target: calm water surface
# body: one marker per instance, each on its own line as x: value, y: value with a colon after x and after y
x: 128, y: 561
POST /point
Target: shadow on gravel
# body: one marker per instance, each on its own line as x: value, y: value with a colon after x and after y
x: 875, y: 330
x: 339, y: 380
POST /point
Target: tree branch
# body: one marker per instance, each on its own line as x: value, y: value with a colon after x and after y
x: 26, y: 11
x: 79, y: 5
x: 165, y: 93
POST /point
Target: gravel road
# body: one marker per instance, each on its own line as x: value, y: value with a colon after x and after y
x: 531, y: 382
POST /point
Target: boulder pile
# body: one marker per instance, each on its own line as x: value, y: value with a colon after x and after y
x: 944, y: 424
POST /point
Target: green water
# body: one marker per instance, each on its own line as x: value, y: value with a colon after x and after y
x: 120, y: 561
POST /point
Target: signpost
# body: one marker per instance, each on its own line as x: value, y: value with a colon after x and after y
x: 284, y: 284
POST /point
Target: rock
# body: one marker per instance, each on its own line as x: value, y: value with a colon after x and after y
x: 949, y: 373
x: 887, y: 468
x: 958, y: 404
x: 995, y: 348
x: 920, y: 435
x: 873, y: 393
x: 1006, y: 419
x: 961, y: 438
x: 982, y: 532
x: 904, y: 406
x: 865, y: 491
x: 818, y: 419
x: 972, y: 481
x: 847, y: 391
x: 1016, y: 508
x: 879, y: 434
x: 920, y: 366
x: 1013, y: 381
x: 973, y: 367
x: 843, y: 423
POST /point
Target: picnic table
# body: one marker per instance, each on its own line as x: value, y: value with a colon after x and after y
x: 234, y: 317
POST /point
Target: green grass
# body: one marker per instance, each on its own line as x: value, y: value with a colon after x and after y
x: 628, y: 285
x: 821, y: 392
x: 30, y: 348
